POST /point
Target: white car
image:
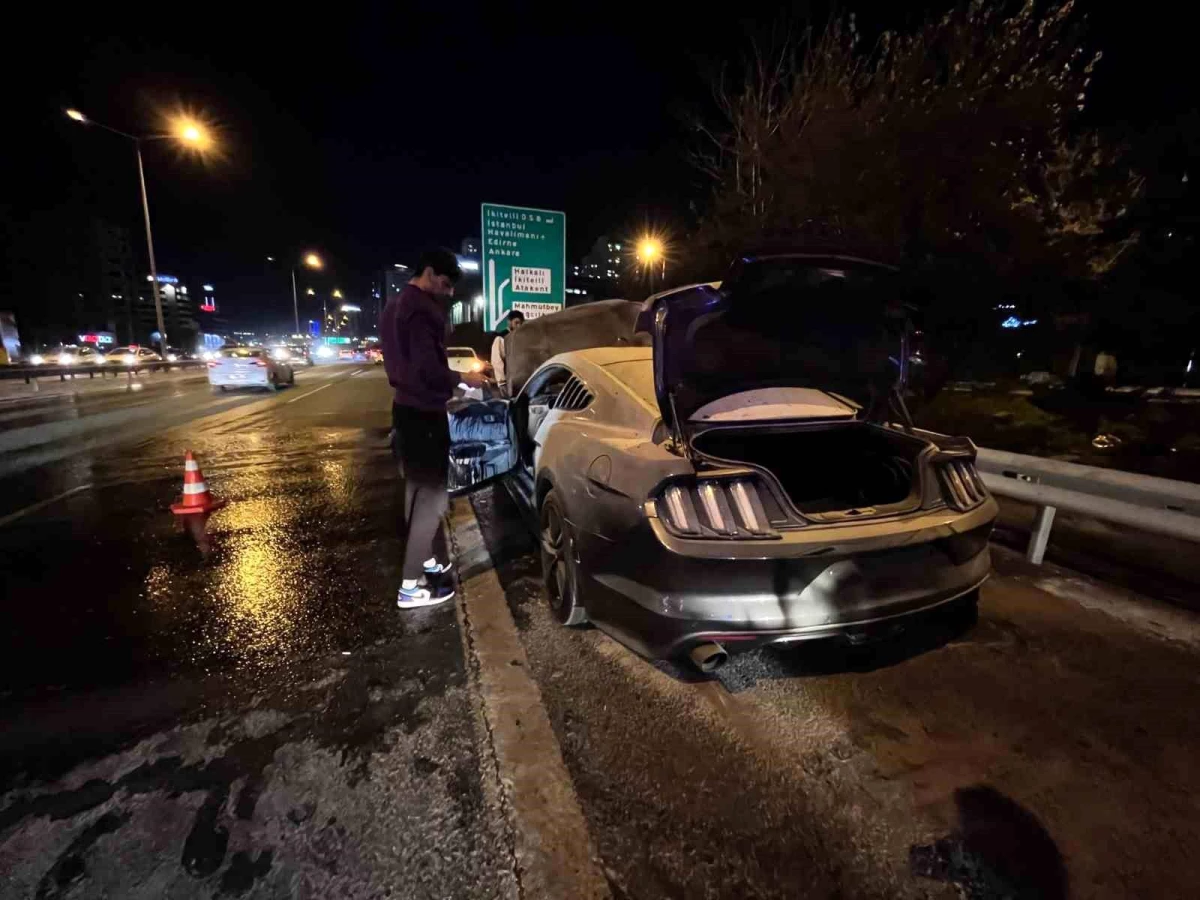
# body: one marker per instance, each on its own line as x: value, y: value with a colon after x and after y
x: 248, y: 367
x: 68, y: 355
x: 133, y: 355
x: 463, y: 359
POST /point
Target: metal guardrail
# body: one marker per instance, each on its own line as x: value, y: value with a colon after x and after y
x: 31, y: 374
x: 1157, y: 505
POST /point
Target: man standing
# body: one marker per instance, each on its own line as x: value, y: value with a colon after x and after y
x: 412, y: 330
x: 515, y: 319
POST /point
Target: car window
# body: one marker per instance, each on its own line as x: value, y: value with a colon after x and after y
x: 242, y: 353
x: 637, y: 375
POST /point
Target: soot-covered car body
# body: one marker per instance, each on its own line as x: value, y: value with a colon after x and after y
x: 749, y: 477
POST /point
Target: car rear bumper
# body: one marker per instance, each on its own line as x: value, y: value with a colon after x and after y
x: 249, y: 379
x: 661, y: 601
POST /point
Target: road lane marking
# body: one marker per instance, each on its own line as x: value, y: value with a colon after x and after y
x: 42, y: 504
x: 554, y: 854
x: 310, y: 393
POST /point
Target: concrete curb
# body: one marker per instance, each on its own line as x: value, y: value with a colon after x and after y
x: 554, y: 854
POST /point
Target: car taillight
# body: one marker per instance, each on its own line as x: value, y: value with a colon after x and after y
x: 717, y: 507
x: 961, y: 485
x: 681, y: 512
x: 258, y: 362
x: 213, y: 364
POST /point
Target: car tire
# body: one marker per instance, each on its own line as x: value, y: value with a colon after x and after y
x: 291, y: 376
x: 272, y: 384
x: 218, y: 388
x: 560, y: 564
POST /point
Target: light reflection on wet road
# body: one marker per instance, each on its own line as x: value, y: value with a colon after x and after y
x: 105, y: 584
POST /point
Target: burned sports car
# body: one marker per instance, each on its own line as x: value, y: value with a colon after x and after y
x: 732, y: 464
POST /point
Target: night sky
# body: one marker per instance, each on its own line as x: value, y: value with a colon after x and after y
x: 366, y: 132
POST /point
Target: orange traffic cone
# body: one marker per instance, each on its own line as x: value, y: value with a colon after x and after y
x: 196, y: 504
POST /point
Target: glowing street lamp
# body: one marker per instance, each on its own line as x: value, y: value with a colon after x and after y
x: 192, y: 133
x: 651, y: 252
x: 649, y: 249
x: 186, y: 131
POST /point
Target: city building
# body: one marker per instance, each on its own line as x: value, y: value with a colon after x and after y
x: 211, y: 325
x: 179, y: 310
x: 598, y: 275
x: 65, y: 273
x: 113, y: 279
x: 603, y: 261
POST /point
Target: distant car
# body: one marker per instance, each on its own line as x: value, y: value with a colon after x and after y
x: 175, y: 354
x: 132, y: 355
x: 751, y: 477
x: 299, y: 353
x: 290, y: 353
x: 464, y: 359
x: 72, y: 355
x: 374, y: 355
x: 248, y: 367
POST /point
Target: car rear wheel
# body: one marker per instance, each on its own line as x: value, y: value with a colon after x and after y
x: 272, y: 384
x: 291, y: 376
x: 560, y: 564
x: 218, y: 388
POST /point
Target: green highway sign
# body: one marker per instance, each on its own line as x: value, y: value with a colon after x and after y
x: 524, y: 261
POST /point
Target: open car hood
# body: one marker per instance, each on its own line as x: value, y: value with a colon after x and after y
x: 604, y: 323
x: 834, y: 323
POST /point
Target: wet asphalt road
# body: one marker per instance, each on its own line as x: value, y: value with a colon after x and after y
x: 265, y: 724
x: 260, y: 723
x: 1047, y: 750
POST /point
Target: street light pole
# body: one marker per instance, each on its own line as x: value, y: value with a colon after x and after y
x: 158, y: 313
x: 295, y: 301
x: 190, y: 133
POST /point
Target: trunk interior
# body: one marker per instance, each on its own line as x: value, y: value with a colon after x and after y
x: 826, y: 468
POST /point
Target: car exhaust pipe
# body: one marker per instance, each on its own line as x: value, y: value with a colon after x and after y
x: 708, y: 657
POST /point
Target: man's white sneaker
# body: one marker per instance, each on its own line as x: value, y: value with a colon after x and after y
x: 423, y: 596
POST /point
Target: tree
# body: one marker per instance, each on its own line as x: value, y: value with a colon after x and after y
x: 954, y: 141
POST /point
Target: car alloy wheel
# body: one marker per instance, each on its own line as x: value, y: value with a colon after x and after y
x: 560, y: 567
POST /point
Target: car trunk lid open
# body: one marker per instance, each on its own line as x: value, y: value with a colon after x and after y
x: 833, y: 323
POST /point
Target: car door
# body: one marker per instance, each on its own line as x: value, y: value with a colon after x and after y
x: 482, y: 444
